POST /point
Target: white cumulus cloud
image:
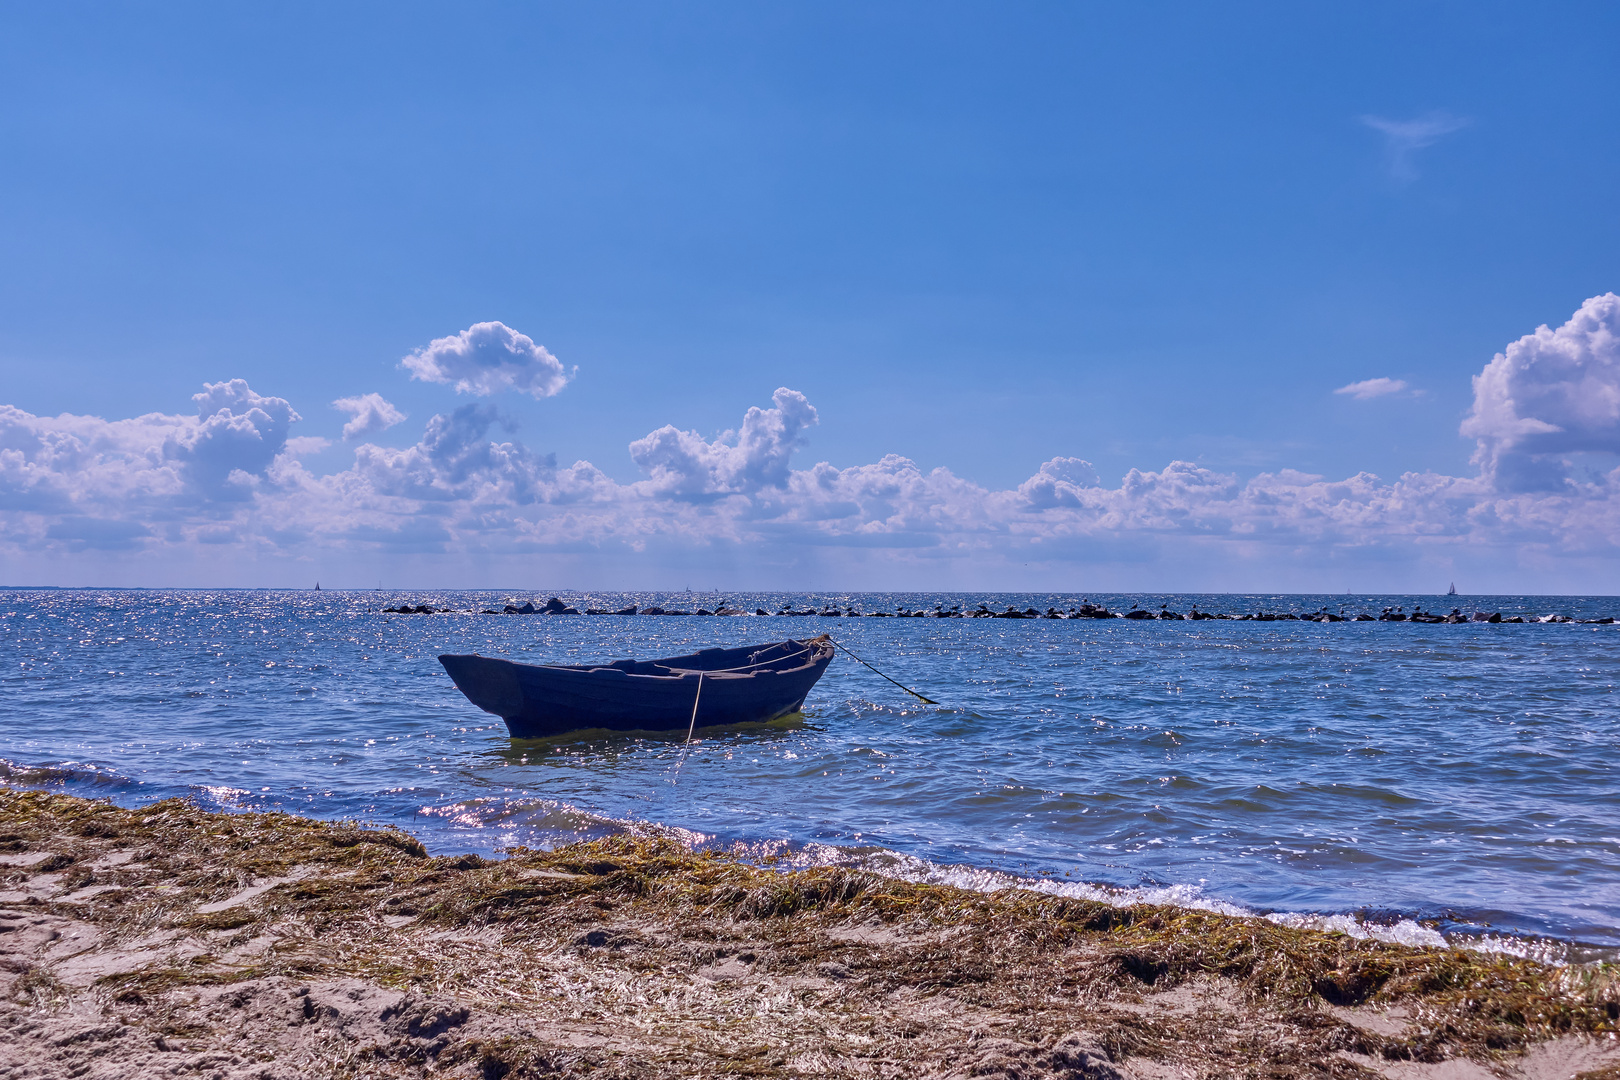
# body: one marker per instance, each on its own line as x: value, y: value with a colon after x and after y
x: 683, y: 463
x: 1059, y: 482
x: 370, y: 414
x: 1367, y: 389
x: 1549, y: 394
x: 227, y: 484
x: 455, y: 459
x: 488, y: 358
x: 109, y: 483
x: 238, y: 435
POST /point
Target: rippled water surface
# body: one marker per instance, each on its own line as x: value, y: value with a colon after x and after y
x: 1458, y: 774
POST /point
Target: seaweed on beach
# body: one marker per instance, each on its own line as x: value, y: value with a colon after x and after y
x: 638, y: 956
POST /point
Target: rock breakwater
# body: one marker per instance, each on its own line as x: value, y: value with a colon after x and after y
x: 556, y: 606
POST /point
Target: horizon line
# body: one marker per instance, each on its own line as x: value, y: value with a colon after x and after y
x: 788, y: 592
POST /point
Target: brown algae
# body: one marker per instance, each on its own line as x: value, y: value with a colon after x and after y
x: 266, y: 945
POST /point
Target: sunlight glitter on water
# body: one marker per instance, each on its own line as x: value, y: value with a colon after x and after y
x: 1454, y: 777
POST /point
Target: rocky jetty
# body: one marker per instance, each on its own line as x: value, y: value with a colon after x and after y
x: 1087, y: 610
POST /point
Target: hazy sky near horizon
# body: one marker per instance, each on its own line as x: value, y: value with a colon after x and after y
x: 1161, y: 296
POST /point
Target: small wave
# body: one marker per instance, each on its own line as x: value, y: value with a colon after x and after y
x: 1402, y: 931
x: 64, y: 774
x: 549, y: 823
x: 1542, y: 950
x: 903, y: 867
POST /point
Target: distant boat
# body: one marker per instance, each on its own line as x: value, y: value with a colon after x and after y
x: 1453, y: 590
x: 317, y: 586
x: 750, y: 684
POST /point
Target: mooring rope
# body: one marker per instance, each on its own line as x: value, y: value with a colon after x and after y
x: 901, y: 685
x: 689, y: 729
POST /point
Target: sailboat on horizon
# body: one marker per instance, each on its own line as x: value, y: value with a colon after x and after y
x: 1453, y: 590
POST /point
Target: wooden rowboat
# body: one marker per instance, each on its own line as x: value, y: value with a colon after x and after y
x: 749, y: 684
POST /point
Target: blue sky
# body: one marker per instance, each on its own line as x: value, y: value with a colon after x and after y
x: 979, y: 237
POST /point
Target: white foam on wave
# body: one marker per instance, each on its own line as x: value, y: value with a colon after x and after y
x: 547, y: 823
x: 902, y: 867
x: 922, y: 871
x: 1541, y: 950
x: 1401, y: 932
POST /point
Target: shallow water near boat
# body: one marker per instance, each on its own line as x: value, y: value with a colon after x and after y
x: 1456, y: 775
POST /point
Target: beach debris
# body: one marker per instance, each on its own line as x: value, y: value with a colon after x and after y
x: 365, y: 953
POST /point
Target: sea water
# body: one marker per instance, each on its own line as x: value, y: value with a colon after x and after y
x: 1420, y: 782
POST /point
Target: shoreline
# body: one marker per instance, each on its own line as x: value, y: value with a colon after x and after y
x: 1397, y: 927
x: 268, y: 945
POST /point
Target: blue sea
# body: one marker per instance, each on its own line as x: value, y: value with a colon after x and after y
x: 1423, y: 783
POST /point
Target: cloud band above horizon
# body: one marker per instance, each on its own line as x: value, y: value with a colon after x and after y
x: 230, y: 481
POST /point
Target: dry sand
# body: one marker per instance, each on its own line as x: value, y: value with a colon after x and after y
x: 170, y: 942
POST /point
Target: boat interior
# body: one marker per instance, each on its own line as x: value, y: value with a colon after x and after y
x: 783, y: 656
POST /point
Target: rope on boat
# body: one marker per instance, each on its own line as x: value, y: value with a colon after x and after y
x: 901, y: 685
x: 689, y: 729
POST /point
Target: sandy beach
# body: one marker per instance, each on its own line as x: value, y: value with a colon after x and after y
x: 170, y: 941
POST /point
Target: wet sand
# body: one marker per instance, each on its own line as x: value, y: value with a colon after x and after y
x: 169, y: 941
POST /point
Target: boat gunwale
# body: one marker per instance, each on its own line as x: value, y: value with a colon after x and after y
x: 810, y: 648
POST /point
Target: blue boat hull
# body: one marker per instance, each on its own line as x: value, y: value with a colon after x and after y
x: 751, y: 684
